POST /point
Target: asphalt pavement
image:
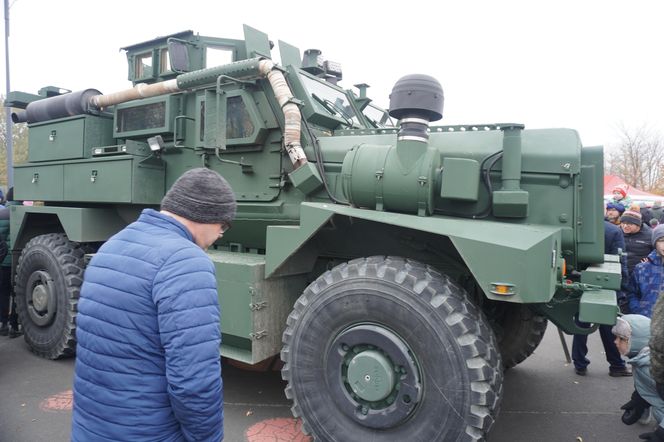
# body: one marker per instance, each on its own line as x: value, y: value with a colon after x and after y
x: 544, y: 400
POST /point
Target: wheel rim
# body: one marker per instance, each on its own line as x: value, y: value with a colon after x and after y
x: 40, y: 298
x: 372, y: 376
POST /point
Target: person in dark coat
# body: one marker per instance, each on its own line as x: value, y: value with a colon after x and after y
x: 657, y: 211
x: 147, y: 360
x: 646, y: 213
x: 8, y: 318
x: 613, y: 244
x: 638, y: 238
x: 646, y: 282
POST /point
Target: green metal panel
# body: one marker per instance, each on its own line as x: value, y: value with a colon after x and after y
x: 148, y: 184
x: 253, y: 309
x: 598, y: 307
x: 68, y: 138
x: 523, y: 256
x: 55, y: 141
x: 80, y: 224
x: 591, y: 206
x: 99, y: 181
x: 606, y: 275
x: 461, y: 179
x: 290, y: 55
x: 257, y: 42
x: 40, y: 183
x: 117, y: 179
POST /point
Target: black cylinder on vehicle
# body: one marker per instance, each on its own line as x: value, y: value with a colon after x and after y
x: 67, y: 105
x: 417, y: 96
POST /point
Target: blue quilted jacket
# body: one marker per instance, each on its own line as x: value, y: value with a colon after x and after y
x: 147, y: 359
x: 645, y: 285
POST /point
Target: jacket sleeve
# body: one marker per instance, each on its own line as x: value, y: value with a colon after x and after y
x: 633, y: 295
x: 657, y: 341
x: 185, y: 293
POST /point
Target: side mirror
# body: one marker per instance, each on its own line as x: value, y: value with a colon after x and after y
x: 178, y: 54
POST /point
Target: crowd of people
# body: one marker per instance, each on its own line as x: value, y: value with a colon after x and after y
x: 636, y: 233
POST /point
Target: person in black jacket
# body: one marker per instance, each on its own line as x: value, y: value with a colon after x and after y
x: 613, y: 243
x: 657, y: 211
x: 637, y: 238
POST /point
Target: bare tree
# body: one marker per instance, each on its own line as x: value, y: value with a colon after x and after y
x: 639, y: 158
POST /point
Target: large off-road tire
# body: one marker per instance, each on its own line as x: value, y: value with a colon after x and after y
x: 519, y: 331
x: 48, y: 282
x: 389, y: 349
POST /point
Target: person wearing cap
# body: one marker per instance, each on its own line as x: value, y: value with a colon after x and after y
x: 147, y: 358
x: 637, y: 235
x: 632, y: 335
x: 620, y: 195
x: 645, y: 282
x: 613, y: 212
x: 613, y: 243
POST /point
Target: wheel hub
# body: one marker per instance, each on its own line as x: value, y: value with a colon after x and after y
x: 41, y: 298
x: 372, y: 376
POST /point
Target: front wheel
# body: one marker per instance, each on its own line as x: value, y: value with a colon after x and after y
x: 48, y: 281
x: 389, y: 348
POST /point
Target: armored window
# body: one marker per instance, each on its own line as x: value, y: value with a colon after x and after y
x: 202, y: 126
x: 144, y: 65
x: 164, y: 61
x: 238, y: 121
x: 331, y: 100
x: 218, y: 55
x: 377, y: 116
x: 147, y: 116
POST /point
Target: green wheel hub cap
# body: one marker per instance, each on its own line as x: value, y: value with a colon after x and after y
x: 371, y: 376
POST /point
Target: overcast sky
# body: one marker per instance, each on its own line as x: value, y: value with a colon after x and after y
x: 585, y: 64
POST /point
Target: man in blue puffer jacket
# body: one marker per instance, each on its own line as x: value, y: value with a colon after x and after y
x: 148, y: 365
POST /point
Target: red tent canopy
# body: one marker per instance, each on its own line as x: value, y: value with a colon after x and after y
x: 611, y: 181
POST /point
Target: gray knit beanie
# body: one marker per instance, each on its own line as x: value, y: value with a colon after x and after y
x: 657, y: 233
x: 201, y: 195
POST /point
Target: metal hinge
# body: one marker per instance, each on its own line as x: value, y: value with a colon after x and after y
x: 254, y: 306
x: 258, y: 335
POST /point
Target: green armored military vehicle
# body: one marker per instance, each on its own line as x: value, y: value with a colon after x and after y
x: 396, y: 266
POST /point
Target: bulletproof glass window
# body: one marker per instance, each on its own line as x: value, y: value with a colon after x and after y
x: 377, y: 116
x: 164, y: 61
x: 148, y: 116
x: 331, y: 100
x: 144, y: 65
x: 217, y: 56
x: 238, y: 121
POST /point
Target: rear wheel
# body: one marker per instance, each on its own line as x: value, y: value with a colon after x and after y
x: 519, y: 331
x: 48, y: 281
x: 390, y: 348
